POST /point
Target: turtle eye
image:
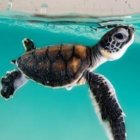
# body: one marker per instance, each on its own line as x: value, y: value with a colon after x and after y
x: 119, y: 36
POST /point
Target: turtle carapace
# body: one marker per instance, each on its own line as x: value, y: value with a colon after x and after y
x: 70, y: 65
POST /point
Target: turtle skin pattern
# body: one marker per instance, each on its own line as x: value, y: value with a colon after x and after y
x: 56, y: 65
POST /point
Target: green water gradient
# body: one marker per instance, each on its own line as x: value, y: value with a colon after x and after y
x: 40, y: 113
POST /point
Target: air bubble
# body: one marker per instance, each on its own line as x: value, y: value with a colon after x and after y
x: 10, y: 5
x: 43, y: 9
x: 69, y: 88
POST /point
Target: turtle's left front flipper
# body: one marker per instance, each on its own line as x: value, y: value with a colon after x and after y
x: 12, y: 81
x: 107, y: 105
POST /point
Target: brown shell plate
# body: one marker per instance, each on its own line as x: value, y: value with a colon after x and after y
x: 55, y: 65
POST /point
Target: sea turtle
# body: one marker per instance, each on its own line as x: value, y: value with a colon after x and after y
x: 70, y: 65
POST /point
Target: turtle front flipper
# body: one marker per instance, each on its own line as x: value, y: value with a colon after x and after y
x: 12, y: 81
x: 28, y: 44
x: 107, y: 105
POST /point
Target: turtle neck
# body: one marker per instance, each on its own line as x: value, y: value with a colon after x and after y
x: 96, y: 57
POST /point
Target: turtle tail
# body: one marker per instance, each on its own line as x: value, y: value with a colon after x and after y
x: 12, y: 81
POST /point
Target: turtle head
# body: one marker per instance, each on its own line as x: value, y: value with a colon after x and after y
x: 115, y: 42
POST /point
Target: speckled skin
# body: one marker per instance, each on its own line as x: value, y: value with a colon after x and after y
x: 57, y: 65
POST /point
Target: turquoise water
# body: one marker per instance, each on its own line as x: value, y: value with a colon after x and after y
x: 39, y: 113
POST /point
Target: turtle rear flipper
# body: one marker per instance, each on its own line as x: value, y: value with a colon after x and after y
x: 12, y: 81
x: 28, y: 44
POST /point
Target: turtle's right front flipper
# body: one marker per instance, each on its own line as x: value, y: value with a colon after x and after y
x: 12, y: 81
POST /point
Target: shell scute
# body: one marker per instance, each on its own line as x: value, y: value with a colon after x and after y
x: 80, y: 51
x: 53, y: 52
x: 67, y: 52
x: 74, y: 65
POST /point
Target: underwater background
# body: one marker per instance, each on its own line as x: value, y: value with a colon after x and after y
x: 41, y: 113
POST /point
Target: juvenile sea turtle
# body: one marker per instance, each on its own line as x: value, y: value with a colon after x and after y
x: 71, y: 65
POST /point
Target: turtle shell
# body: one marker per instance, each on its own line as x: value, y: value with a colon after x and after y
x: 56, y: 65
